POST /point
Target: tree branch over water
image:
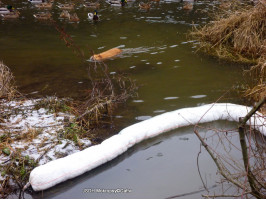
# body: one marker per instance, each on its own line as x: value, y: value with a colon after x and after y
x: 256, y: 188
x: 241, y: 128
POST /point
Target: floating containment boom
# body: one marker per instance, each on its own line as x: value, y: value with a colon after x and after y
x: 57, y: 171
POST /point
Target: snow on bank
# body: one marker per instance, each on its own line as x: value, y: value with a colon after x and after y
x: 57, y: 171
x: 35, y: 133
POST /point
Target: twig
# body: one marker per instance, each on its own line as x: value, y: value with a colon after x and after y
x: 199, y: 170
x: 217, y: 162
x: 45, y: 152
x: 189, y: 193
x: 225, y: 196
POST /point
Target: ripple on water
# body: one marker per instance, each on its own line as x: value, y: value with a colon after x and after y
x: 138, y: 101
x: 153, y: 17
x: 181, y: 22
x: 173, y: 46
x: 137, y: 50
x: 141, y: 118
x: 170, y: 98
x: 121, y: 46
x: 159, y: 154
x: 198, y: 96
x: 118, y: 116
x: 190, y: 41
x: 159, y: 111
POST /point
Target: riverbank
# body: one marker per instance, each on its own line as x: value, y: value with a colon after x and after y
x: 32, y: 132
x: 30, y: 136
x: 36, y: 131
x: 238, y: 34
x: 169, y: 80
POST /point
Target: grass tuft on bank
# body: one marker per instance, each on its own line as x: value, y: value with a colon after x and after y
x: 239, y: 37
x: 7, y: 83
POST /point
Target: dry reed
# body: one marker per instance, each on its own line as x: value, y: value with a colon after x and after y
x: 238, y: 37
x: 256, y: 90
x: 7, y: 88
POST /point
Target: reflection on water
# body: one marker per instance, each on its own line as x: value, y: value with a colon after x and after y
x: 156, y: 53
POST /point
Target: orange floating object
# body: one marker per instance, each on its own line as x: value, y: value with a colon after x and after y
x: 106, y: 55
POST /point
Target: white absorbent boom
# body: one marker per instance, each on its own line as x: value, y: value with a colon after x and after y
x: 57, y: 171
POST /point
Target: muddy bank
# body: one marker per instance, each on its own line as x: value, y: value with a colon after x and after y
x: 36, y: 131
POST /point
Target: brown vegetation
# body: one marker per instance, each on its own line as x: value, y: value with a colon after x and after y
x: 256, y: 89
x: 239, y: 36
x: 7, y: 87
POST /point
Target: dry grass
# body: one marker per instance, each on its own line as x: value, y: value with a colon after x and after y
x: 257, y: 88
x: 54, y: 104
x: 7, y: 88
x: 238, y: 37
x: 98, y: 106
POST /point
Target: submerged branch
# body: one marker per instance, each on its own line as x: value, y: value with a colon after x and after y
x: 222, y: 169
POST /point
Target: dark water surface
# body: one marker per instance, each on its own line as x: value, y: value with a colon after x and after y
x: 157, y: 54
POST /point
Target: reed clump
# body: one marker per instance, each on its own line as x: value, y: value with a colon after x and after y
x: 256, y: 89
x: 239, y: 37
x: 7, y: 83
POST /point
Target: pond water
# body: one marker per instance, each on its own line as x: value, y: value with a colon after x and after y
x: 159, y: 55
